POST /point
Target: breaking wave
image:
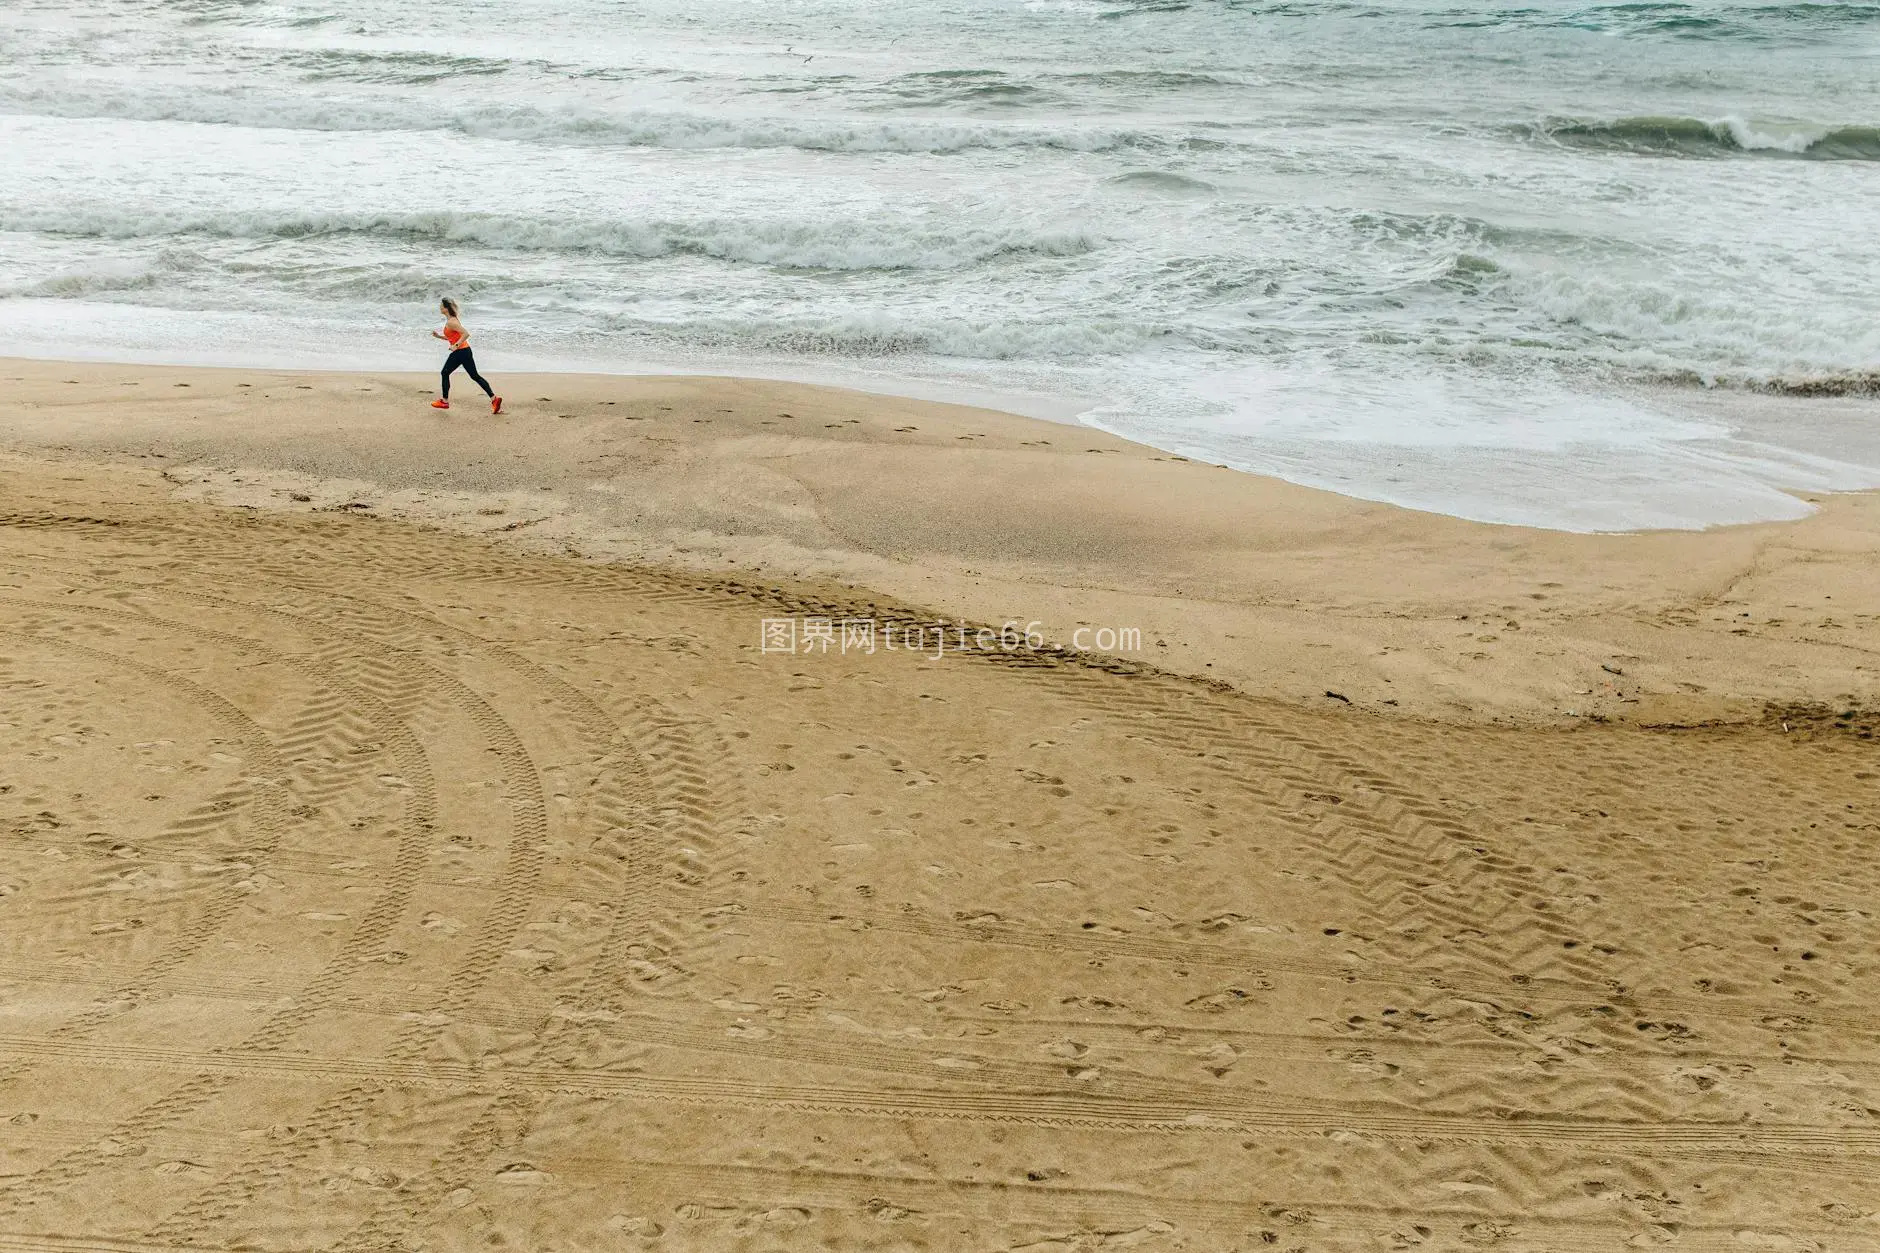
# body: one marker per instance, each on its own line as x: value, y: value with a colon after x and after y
x: 1724, y: 137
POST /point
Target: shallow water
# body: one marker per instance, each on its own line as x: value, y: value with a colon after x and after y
x: 1439, y: 254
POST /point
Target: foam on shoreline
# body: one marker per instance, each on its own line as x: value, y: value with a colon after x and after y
x: 1532, y: 453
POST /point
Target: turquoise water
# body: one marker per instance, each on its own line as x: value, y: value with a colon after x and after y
x: 1460, y: 256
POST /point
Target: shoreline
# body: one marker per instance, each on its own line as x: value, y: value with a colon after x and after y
x: 1274, y: 589
x: 1585, y: 455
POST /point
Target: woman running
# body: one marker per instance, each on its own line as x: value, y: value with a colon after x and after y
x: 460, y: 355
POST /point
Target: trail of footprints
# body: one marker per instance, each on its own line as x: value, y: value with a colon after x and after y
x: 630, y: 917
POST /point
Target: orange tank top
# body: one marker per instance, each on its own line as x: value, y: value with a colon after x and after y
x: 453, y: 336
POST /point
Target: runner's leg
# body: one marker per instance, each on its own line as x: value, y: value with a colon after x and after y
x: 458, y: 356
x: 470, y: 368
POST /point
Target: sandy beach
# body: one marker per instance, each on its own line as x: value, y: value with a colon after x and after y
x: 414, y: 840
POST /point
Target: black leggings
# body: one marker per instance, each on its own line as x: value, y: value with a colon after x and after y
x: 462, y: 357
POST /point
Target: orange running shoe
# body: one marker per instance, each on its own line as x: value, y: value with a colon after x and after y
x: 440, y: 404
x: 496, y: 404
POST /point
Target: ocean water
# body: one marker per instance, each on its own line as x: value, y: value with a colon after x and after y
x: 1459, y: 255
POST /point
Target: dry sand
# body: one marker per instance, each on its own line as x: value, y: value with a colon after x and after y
x: 371, y: 886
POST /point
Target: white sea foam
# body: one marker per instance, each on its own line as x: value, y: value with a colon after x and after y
x: 574, y: 125
x: 795, y: 245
